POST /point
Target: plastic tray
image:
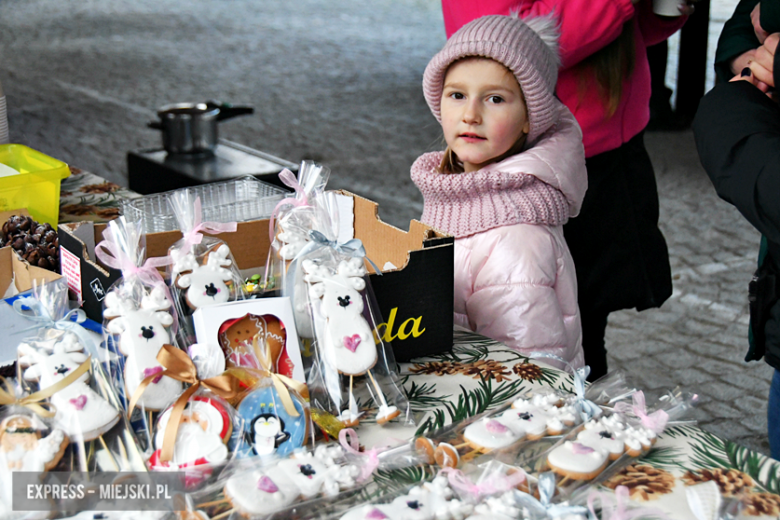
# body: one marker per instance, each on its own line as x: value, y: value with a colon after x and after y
x: 37, y: 187
x: 237, y: 200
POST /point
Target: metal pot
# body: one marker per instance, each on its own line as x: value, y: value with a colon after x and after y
x: 191, y: 128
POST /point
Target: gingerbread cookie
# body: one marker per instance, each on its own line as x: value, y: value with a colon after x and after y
x: 23, y: 449
x: 207, y: 283
x: 577, y: 461
x: 81, y: 412
x: 141, y: 334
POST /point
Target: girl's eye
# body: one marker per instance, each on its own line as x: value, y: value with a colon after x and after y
x: 457, y: 95
x: 496, y: 99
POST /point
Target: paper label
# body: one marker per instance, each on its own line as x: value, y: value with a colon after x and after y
x: 71, y: 270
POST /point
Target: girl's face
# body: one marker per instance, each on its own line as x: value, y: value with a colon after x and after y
x: 483, y: 112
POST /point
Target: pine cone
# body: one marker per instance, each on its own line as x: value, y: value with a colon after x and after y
x: 757, y: 504
x: 527, y: 371
x: 486, y: 369
x: 36, y: 243
x: 438, y: 368
x: 730, y: 481
x: 643, y: 482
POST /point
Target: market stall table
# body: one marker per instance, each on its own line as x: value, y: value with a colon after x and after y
x: 481, y: 374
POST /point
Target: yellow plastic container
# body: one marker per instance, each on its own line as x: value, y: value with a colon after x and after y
x: 37, y: 187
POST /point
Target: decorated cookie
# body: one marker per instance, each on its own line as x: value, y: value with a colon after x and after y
x: 238, y: 338
x: 446, y: 455
x: 577, y: 461
x: 261, y: 492
x: 502, y: 507
x: 23, y: 449
x: 81, y: 412
x: 348, y: 343
x: 492, y: 433
x: 141, y: 334
x: 204, y: 284
x: 425, y: 448
x: 203, y: 432
x: 605, y: 434
x: 267, y: 425
x: 544, y: 414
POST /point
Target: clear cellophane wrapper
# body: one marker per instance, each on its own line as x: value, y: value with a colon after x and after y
x: 598, y: 449
x: 275, y: 414
x: 529, y: 417
x: 295, y: 218
x: 209, y: 434
x: 303, y: 484
x: 61, y: 363
x: 202, y: 269
x: 138, y: 319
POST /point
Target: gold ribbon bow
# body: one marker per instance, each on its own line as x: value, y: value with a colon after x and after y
x: 180, y: 367
x: 33, y: 401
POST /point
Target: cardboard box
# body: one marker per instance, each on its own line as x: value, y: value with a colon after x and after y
x: 415, y: 296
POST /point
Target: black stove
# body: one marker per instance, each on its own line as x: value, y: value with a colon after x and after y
x: 153, y: 171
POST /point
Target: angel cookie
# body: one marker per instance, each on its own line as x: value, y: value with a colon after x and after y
x: 141, y: 331
x: 347, y: 341
x: 81, y: 412
x: 23, y: 449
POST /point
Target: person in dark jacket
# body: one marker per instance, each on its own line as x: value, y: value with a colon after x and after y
x: 737, y: 131
x: 743, y: 33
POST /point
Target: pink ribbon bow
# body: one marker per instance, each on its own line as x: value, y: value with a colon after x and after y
x: 300, y: 199
x: 195, y: 236
x: 617, y: 508
x: 114, y: 256
x: 656, y: 421
x: 494, y: 484
x: 349, y: 441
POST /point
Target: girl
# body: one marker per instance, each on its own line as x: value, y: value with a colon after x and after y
x: 620, y: 254
x: 512, y: 175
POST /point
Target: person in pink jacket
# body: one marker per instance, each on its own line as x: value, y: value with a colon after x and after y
x: 620, y: 254
x: 512, y: 175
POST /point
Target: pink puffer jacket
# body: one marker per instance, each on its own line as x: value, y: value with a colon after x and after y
x: 514, y: 276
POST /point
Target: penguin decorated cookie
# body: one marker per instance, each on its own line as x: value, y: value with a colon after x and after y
x: 267, y: 425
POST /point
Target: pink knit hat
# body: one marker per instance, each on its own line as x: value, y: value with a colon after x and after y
x: 526, y: 47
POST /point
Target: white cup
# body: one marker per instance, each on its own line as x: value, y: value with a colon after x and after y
x: 667, y: 7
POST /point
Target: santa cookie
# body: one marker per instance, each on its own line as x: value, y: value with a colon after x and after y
x: 204, y: 430
x: 207, y: 283
x: 81, y: 412
x: 267, y: 424
x: 23, y: 449
x: 141, y: 331
x: 347, y: 341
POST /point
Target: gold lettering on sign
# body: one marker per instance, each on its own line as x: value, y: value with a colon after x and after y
x: 410, y: 327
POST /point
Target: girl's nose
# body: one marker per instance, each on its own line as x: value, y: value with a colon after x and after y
x: 472, y: 114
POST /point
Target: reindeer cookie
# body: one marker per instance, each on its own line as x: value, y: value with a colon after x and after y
x: 348, y: 342
x: 142, y: 333
x: 23, y: 449
x: 203, y: 284
x: 81, y: 412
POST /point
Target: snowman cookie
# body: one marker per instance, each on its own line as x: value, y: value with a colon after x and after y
x: 81, y: 412
x: 141, y: 331
x: 207, y: 283
x: 268, y: 426
x: 204, y: 430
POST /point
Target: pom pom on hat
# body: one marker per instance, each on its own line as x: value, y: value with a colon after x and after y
x: 528, y: 48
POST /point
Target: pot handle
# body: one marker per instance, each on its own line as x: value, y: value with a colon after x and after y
x: 156, y: 125
x: 227, y: 111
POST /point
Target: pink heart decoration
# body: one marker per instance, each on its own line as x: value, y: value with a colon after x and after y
x: 352, y: 342
x: 495, y: 427
x: 581, y: 449
x: 79, y: 402
x: 267, y: 485
x: 151, y: 371
x: 376, y: 514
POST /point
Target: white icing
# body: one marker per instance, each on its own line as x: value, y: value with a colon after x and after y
x: 204, y: 284
x: 385, y: 411
x: 348, y: 343
x: 307, y: 473
x: 497, y: 508
x: 81, y: 412
x: 26, y: 451
x: 604, y: 434
x: 245, y: 493
x: 493, y: 433
x: 198, y: 436
x: 564, y: 458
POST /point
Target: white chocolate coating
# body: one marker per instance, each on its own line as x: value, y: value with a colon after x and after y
x: 565, y: 458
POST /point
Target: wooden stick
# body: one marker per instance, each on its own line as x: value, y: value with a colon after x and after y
x: 350, y: 387
x: 222, y: 515
x: 563, y: 481
x: 111, y: 455
x: 378, y: 390
x: 459, y: 446
x: 212, y: 503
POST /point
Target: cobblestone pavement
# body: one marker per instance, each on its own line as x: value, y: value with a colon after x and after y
x: 339, y: 82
